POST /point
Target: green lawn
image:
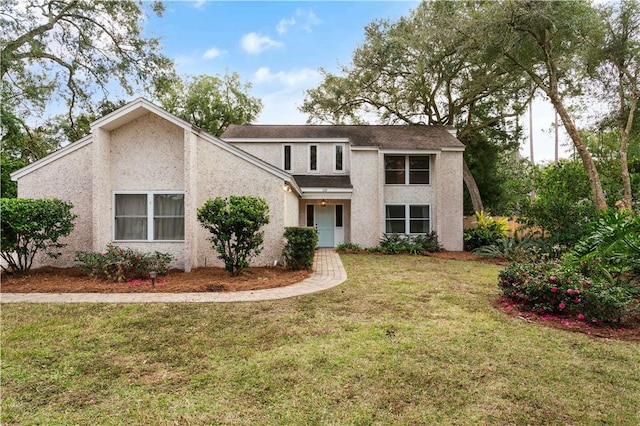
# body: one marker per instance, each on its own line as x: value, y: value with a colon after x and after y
x: 406, y: 340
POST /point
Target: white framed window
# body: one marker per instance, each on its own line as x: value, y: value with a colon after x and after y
x: 149, y: 216
x: 406, y: 169
x: 338, y: 158
x: 313, y: 158
x: 287, y: 157
x: 407, y: 218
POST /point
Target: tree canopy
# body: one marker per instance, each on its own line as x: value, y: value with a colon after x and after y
x: 210, y: 102
x: 68, y: 50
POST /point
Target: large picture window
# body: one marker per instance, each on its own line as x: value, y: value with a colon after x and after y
x: 406, y: 169
x: 407, y: 219
x: 149, y: 216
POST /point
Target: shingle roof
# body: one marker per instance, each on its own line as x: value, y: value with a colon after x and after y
x: 319, y: 181
x: 385, y: 137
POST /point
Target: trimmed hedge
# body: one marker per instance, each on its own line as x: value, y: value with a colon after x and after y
x: 300, y: 247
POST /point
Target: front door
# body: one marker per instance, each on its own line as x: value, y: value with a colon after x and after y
x: 324, y: 225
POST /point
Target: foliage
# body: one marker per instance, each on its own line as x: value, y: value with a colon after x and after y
x: 122, y: 264
x: 300, y: 247
x: 234, y: 224
x: 546, y: 44
x: 413, y: 244
x: 210, y: 102
x: 562, y: 208
x: 348, y: 246
x: 510, y: 249
x: 8, y: 165
x: 611, y: 248
x: 487, y: 231
x: 551, y: 288
x: 69, y: 50
x: 32, y: 226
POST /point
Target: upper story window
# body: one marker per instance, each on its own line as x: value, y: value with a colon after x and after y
x: 149, y: 216
x: 406, y: 169
x: 339, y: 158
x: 313, y: 158
x: 287, y: 157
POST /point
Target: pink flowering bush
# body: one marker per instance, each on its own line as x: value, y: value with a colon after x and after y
x: 551, y: 288
x: 122, y: 264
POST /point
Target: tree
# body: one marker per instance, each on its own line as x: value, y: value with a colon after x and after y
x: 8, y: 165
x: 547, y: 41
x: 210, y: 102
x: 234, y: 224
x: 422, y: 70
x: 618, y: 70
x: 72, y: 49
x: 32, y: 226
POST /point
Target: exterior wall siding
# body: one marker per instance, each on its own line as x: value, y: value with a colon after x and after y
x: 221, y: 173
x: 449, y: 207
x: 366, y: 201
x: 68, y: 178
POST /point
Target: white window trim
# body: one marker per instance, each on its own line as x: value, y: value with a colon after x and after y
x: 407, y: 170
x: 150, y: 216
x: 317, y: 170
x: 284, y: 156
x: 407, y: 217
x: 335, y: 169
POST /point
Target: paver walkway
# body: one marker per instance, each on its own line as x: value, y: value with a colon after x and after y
x: 327, y: 272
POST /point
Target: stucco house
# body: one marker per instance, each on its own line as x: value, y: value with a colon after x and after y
x: 138, y: 178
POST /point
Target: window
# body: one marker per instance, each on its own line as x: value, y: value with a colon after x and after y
x: 402, y: 217
x: 310, y: 215
x: 339, y: 216
x: 406, y: 169
x: 286, y: 157
x: 149, y: 216
x: 339, y: 158
x: 313, y: 158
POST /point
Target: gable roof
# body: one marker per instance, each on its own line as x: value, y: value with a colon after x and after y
x: 136, y: 109
x: 416, y: 137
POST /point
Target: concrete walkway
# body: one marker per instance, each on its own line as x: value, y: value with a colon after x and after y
x: 327, y: 272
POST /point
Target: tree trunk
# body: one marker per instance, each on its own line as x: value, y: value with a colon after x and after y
x: 589, y: 165
x: 472, y: 187
x: 625, y: 133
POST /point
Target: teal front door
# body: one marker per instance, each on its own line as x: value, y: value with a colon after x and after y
x: 324, y: 225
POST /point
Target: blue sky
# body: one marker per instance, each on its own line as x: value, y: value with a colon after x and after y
x: 278, y: 46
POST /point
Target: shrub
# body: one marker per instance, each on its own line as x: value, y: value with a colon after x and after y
x: 300, y: 247
x: 487, y: 231
x: 511, y: 249
x: 32, y: 226
x: 611, y: 248
x: 235, y: 224
x: 348, y: 246
x: 549, y: 287
x: 122, y: 264
x: 414, y: 244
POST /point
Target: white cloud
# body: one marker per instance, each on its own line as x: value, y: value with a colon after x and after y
x: 308, y: 19
x: 304, y: 76
x: 199, y: 4
x: 255, y: 43
x: 213, y: 53
x: 285, y: 24
x: 303, y: 19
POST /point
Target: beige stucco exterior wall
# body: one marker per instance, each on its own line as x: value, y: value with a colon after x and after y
x: 68, y: 178
x: 449, y: 207
x: 272, y: 153
x: 221, y: 173
x: 366, y: 200
x: 146, y: 154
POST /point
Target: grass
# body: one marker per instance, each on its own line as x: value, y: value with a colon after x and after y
x: 406, y: 340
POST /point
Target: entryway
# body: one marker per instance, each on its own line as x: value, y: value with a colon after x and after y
x: 324, y: 218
